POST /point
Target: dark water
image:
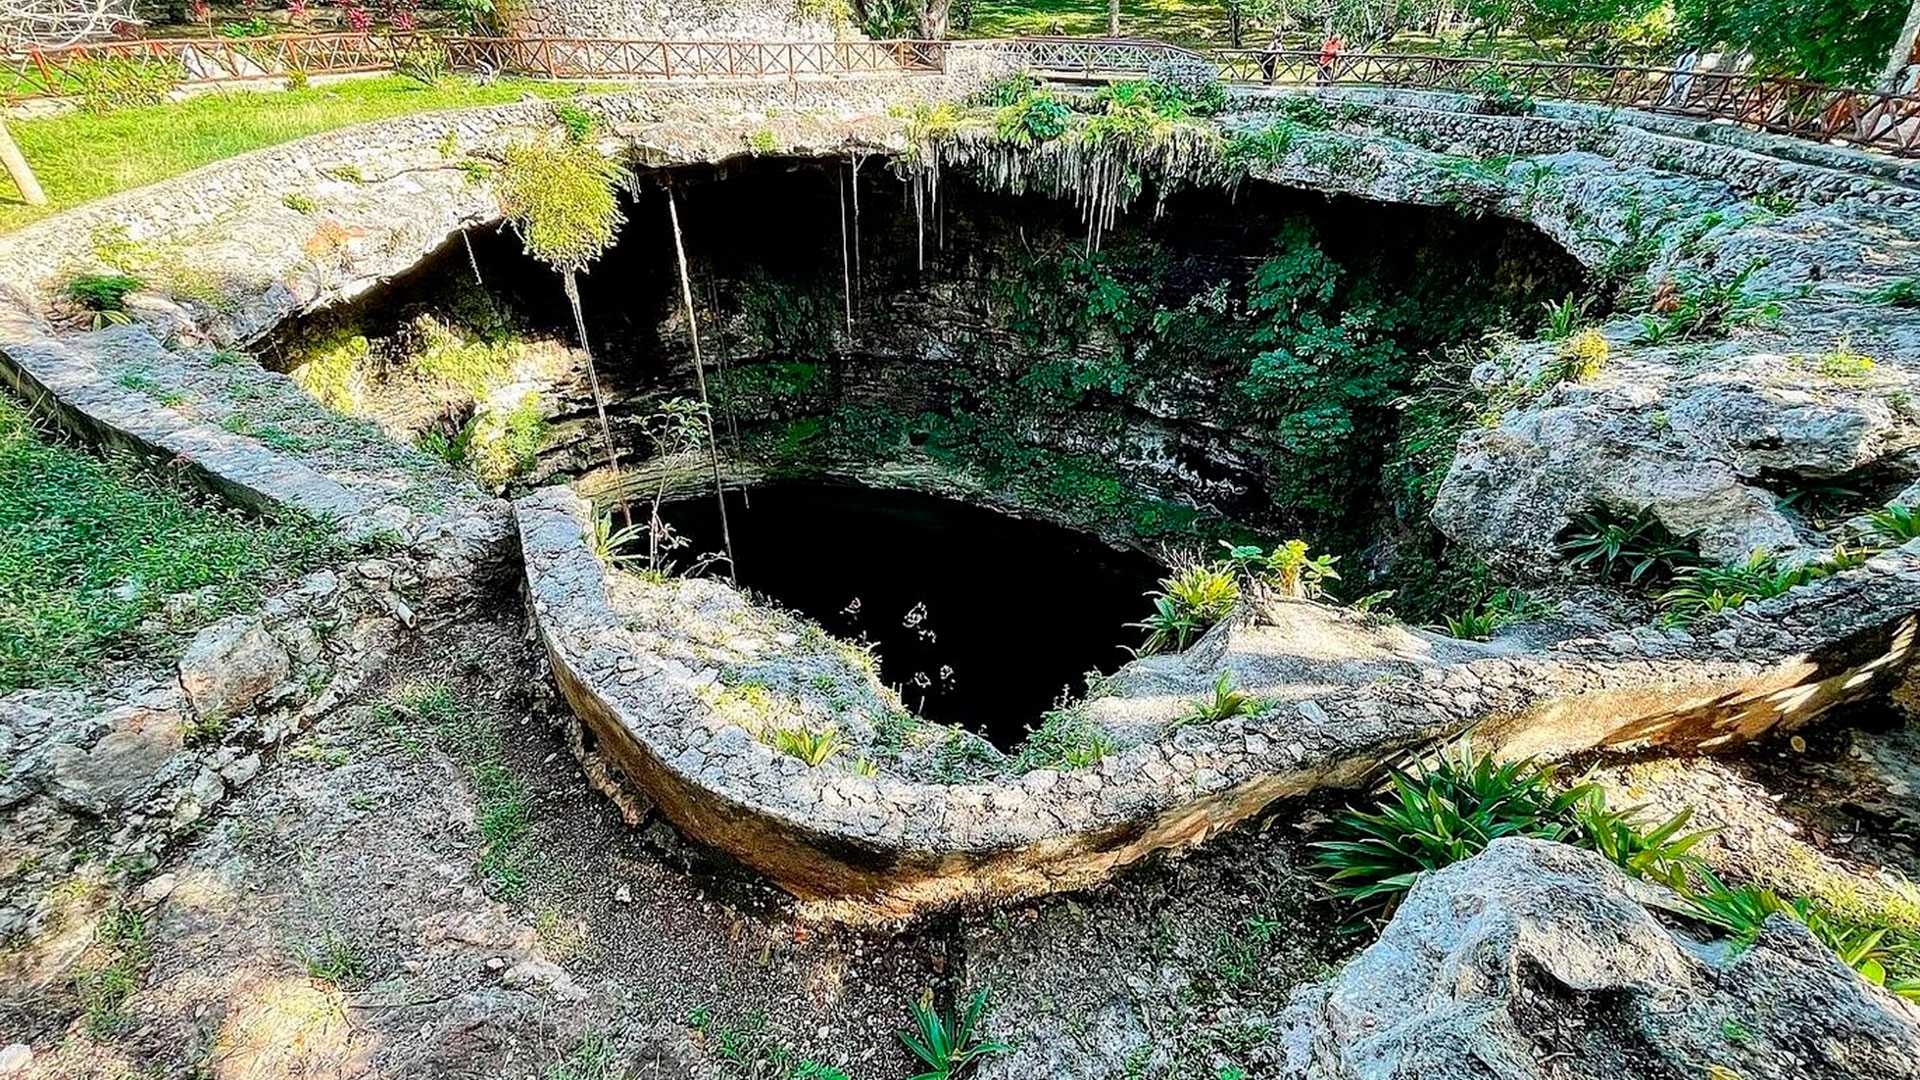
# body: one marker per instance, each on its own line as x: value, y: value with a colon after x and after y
x: 978, y: 618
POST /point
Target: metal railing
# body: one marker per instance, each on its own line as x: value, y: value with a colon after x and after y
x: 1885, y: 122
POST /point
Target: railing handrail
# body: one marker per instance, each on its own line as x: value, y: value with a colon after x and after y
x: 1875, y: 119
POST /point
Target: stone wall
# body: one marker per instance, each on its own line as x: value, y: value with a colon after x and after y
x: 679, y: 20
x: 1349, y: 694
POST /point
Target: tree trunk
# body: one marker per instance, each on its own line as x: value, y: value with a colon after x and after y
x: 18, y: 168
x: 933, y: 19
x: 1902, y: 50
x: 1113, y: 18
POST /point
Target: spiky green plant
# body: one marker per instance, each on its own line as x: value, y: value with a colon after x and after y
x: 614, y: 546
x: 1187, y: 605
x: 949, y: 1043
x: 1896, y: 523
x: 1438, y: 814
x: 1564, y: 317
x: 1703, y: 590
x: 809, y: 745
x: 1223, y: 702
x: 1659, y: 854
x: 1638, y: 547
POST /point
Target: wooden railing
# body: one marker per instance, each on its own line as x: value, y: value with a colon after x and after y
x: 74, y: 70
x: 1889, y: 123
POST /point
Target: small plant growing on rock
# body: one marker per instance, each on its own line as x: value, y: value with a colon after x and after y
x: 1065, y: 739
x: 1703, y: 590
x: 1187, y: 605
x: 809, y: 745
x: 1223, y: 702
x: 300, y: 204
x: 1579, y: 359
x: 1902, y: 292
x: 1496, y: 611
x: 763, y: 141
x: 578, y: 122
x: 1843, y: 364
x: 1660, y: 854
x: 610, y: 545
x: 104, y: 295
x: 1638, y: 548
x: 1564, y: 317
x: 949, y: 1042
x: 1895, y: 523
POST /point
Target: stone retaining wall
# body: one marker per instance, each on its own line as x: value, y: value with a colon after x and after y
x: 876, y: 845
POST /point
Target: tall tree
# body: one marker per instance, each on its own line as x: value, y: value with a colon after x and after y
x: 933, y: 18
x: 1902, y: 55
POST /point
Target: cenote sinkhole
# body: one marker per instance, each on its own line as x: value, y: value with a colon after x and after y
x: 979, y: 618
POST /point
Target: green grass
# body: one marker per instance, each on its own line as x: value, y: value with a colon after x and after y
x: 91, y: 547
x: 81, y: 156
x: 504, y: 806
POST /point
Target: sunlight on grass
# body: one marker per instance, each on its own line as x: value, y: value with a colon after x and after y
x: 81, y: 156
x: 91, y: 548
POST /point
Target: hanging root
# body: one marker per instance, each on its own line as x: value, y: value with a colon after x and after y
x: 700, y: 379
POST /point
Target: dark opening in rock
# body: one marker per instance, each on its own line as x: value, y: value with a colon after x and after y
x: 979, y: 618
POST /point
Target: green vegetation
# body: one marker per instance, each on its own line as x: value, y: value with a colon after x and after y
x: 1224, y: 702
x: 1187, y: 605
x: 559, y: 197
x: 100, y: 559
x: 1904, y: 292
x: 811, y: 745
x: 84, y: 155
x: 1436, y: 815
x: 336, y: 961
x: 1497, y: 610
x: 1065, y: 739
x: 949, y: 1042
x: 112, y: 972
x: 1441, y: 813
x: 1637, y: 548
x: 1896, y: 523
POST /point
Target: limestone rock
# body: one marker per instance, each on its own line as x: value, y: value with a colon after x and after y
x: 230, y: 665
x: 1535, y: 961
x: 126, y: 761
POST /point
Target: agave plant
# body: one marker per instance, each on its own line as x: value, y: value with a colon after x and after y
x: 1437, y: 815
x: 1639, y: 548
x: 1186, y: 605
x: 949, y: 1043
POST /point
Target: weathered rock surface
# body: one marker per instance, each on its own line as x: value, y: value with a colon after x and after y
x: 229, y: 665
x: 1535, y: 960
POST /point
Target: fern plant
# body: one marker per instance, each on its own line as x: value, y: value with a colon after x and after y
x: 949, y: 1043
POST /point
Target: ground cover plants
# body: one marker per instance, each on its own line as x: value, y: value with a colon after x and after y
x: 100, y: 558
x: 1449, y: 807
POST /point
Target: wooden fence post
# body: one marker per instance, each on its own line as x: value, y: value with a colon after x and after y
x: 18, y: 168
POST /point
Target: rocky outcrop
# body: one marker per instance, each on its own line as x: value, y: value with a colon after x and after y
x: 1537, y: 961
x: 1344, y: 694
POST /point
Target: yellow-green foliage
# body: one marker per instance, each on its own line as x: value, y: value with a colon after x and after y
x: 333, y: 373
x: 1585, y: 355
x: 559, y: 196
x: 1845, y: 364
x: 451, y: 357
x: 507, y: 443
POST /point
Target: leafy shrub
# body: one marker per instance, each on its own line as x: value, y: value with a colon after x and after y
x: 1036, y: 118
x: 1186, y: 88
x: 580, y: 123
x: 1187, y: 605
x: 1065, y: 739
x: 1639, y: 548
x: 1437, y: 815
x: 1499, y: 609
x: 948, y: 1043
x: 1701, y: 590
x: 425, y: 62
x: 1500, y: 97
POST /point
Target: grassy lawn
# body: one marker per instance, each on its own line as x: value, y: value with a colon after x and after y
x: 90, y: 548
x: 80, y: 156
x: 1200, y: 24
